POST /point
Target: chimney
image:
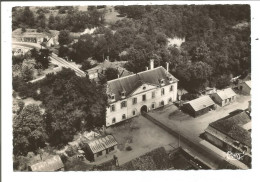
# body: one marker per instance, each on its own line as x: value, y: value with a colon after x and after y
x: 151, y: 64
x: 108, y: 58
x: 167, y: 66
x: 118, y: 75
x: 146, y: 67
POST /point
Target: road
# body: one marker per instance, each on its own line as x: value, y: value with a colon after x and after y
x: 53, y: 57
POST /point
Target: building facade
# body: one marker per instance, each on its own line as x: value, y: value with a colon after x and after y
x: 245, y: 87
x: 224, y: 97
x: 141, y: 92
x: 98, y: 148
x: 199, y: 106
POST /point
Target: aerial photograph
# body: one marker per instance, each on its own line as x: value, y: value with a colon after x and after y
x: 131, y: 87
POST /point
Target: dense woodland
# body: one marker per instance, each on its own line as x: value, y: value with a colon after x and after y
x: 215, y: 50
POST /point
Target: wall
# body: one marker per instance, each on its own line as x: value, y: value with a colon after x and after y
x: 221, y: 102
x: 128, y: 111
x: 245, y: 88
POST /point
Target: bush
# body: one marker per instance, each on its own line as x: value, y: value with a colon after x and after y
x: 189, y: 96
x: 128, y: 148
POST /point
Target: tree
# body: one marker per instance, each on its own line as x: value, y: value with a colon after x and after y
x: 27, y: 73
x: 41, y: 21
x: 28, y: 130
x: 51, y: 23
x: 86, y: 65
x: 111, y: 73
x: 64, y: 37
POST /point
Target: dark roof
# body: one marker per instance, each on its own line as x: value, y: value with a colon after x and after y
x: 200, y: 103
x: 132, y: 82
x: 51, y: 164
x: 232, y: 126
x: 226, y: 93
x: 103, y: 143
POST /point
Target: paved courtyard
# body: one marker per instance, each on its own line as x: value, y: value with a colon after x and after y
x: 192, y: 127
x: 141, y: 135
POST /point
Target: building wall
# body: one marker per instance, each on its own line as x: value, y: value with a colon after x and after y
x: 245, y: 88
x: 226, y: 139
x: 221, y: 102
x: 128, y: 111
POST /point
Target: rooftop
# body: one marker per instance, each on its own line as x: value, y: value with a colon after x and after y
x: 226, y: 93
x: 132, y: 82
x: 51, y: 164
x: 234, y: 127
x: 201, y: 103
x: 102, y: 143
x: 248, y: 83
x: 33, y: 33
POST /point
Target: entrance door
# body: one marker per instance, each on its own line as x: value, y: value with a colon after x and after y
x: 144, y: 108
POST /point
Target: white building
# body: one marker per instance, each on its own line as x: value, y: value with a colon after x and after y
x: 144, y: 91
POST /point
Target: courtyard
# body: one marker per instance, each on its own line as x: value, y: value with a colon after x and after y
x: 192, y: 127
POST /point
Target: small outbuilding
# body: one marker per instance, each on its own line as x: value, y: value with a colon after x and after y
x: 245, y: 87
x: 52, y: 164
x: 199, y: 106
x: 224, y: 97
x: 100, y: 147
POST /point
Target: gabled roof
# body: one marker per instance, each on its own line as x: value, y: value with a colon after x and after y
x: 132, y: 82
x: 201, y: 103
x: 233, y: 127
x: 102, y: 143
x: 226, y: 93
x: 51, y: 164
x: 248, y: 83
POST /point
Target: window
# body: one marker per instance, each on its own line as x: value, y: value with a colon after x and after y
x: 171, y: 88
x: 144, y: 87
x: 112, y: 108
x: 123, y: 94
x: 123, y: 116
x: 111, y: 149
x: 134, y: 100
x: 123, y: 104
x: 113, y: 120
x: 144, y: 97
x: 99, y: 153
x: 162, y: 103
x: 153, y: 105
x: 133, y: 113
x: 162, y: 91
x: 170, y: 79
x: 153, y: 94
x: 225, y: 100
x: 162, y: 81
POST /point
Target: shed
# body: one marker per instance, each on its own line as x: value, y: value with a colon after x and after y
x: 198, y: 106
x: 52, y: 164
x: 245, y: 87
x: 224, y: 97
x: 99, y: 147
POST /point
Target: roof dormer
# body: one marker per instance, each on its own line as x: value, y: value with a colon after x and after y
x: 122, y: 94
x: 170, y: 79
x: 112, y: 97
x: 162, y: 82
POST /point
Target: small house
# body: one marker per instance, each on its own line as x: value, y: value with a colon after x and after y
x: 224, y: 97
x: 198, y: 106
x: 100, y: 147
x: 245, y: 87
x: 52, y: 164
